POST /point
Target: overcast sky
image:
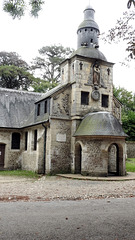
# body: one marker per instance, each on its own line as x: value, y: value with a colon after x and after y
x: 58, y: 23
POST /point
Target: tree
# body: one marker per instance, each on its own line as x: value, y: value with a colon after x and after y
x: 125, y: 97
x: 41, y: 86
x: 124, y: 30
x: 15, y: 77
x: 12, y: 58
x: 49, y: 63
x: 128, y: 111
x: 128, y: 123
x: 17, y: 8
x: 130, y: 2
x: 14, y: 72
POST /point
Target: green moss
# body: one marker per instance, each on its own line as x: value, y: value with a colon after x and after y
x: 19, y: 173
x: 130, y: 165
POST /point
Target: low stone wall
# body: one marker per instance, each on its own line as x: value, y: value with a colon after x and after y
x: 130, y: 149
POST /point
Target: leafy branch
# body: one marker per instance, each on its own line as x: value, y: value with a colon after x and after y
x: 17, y: 8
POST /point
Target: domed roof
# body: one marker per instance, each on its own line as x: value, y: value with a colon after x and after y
x: 89, y: 7
x: 90, y: 53
x: 100, y: 124
x: 88, y: 24
x: 89, y: 21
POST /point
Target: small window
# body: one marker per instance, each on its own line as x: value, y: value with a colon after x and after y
x: 91, y: 29
x: 84, y: 98
x: 85, y: 29
x: 91, y: 40
x: 45, y: 107
x: 73, y: 66
x: 105, y: 101
x: 15, y: 144
x: 26, y: 140
x: 35, y: 140
x: 38, y: 109
x: 81, y: 65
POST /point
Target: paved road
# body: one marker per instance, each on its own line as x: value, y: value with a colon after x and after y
x: 112, y: 219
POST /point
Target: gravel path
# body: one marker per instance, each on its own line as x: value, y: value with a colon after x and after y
x: 57, y: 188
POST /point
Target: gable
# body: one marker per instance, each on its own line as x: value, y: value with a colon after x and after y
x: 16, y: 107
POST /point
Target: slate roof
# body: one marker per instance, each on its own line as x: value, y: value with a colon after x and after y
x: 89, y: 53
x: 55, y: 90
x: 16, y: 107
x: 100, y: 124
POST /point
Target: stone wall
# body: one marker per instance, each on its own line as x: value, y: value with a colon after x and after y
x: 60, y: 146
x: 95, y: 155
x: 130, y: 149
x: 84, y: 82
x: 13, y: 157
x: 112, y: 166
x: 33, y: 160
x: 92, y: 162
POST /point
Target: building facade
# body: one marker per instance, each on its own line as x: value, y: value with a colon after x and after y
x: 73, y: 128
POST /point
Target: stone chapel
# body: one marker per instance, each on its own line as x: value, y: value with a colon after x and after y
x: 73, y: 128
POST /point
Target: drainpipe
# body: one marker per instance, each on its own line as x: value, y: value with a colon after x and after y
x: 44, y: 154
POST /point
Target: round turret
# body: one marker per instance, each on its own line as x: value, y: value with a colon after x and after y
x: 88, y: 30
x: 88, y: 33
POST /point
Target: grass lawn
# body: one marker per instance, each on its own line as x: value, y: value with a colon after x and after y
x: 19, y: 173
x: 130, y: 165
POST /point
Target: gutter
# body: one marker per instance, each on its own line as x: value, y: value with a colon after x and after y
x: 44, y: 153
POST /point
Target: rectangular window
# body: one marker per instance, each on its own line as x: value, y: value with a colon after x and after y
x: 84, y: 98
x: 15, y: 143
x: 26, y: 140
x: 105, y: 100
x: 38, y: 109
x: 35, y: 140
x: 45, y: 107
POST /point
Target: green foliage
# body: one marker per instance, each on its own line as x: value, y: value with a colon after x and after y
x: 40, y: 85
x: 128, y: 124
x: 15, y: 78
x: 128, y: 111
x: 17, y: 8
x: 19, y: 173
x: 14, y: 72
x: 36, y: 6
x: 12, y: 58
x: 130, y: 165
x: 49, y: 65
x: 125, y: 97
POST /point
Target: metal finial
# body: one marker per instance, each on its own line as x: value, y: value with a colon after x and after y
x: 89, y: 2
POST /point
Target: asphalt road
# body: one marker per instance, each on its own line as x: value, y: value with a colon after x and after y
x: 105, y: 219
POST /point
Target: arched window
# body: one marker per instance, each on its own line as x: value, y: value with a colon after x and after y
x: 15, y: 143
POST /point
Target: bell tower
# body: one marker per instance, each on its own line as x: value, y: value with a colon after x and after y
x: 88, y: 30
x: 89, y: 72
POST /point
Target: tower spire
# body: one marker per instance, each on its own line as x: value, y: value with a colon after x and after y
x: 87, y: 36
x: 88, y: 30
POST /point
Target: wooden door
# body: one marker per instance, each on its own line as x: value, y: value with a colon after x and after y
x: 2, y: 155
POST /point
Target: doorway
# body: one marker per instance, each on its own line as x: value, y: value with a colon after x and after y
x: 113, y: 160
x: 2, y: 155
x: 78, y: 158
